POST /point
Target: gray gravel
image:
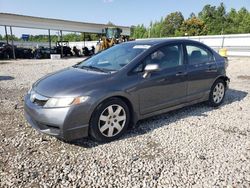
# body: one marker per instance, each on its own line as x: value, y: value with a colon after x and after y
x: 197, y: 146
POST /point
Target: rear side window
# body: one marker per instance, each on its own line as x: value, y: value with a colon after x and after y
x: 198, y: 55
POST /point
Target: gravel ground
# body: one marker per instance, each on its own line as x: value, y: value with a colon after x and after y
x: 196, y: 146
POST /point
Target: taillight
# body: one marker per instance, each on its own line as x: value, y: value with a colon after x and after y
x: 226, y: 62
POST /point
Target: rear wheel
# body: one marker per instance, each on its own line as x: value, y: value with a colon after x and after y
x: 217, y: 93
x: 6, y: 55
x: 110, y: 120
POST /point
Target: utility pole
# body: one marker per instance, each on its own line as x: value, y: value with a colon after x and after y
x: 49, y: 39
x: 61, y: 43
x: 12, y: 43
x: 6, y: 34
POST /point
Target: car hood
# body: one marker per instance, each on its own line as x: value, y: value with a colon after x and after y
x: 69, y: 82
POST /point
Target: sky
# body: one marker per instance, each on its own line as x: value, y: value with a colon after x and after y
x: 120, y: 12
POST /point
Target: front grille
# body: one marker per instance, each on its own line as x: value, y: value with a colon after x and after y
x: 39, y: 102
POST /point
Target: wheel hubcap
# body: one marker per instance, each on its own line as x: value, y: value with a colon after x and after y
x: 218, y: 92
x: 112, y: 120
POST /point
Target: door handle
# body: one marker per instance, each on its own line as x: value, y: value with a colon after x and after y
x: 212, y: 68
x: 181, y: 74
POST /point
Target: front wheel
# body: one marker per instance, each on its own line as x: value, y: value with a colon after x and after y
x: 109, y: 121
x: 217, y: 93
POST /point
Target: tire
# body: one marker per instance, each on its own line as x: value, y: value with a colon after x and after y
x: 109, y: 121
x: 217, y: 93
x: 6, y: 55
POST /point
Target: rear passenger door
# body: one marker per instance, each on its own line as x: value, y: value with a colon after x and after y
x: 202, y: 70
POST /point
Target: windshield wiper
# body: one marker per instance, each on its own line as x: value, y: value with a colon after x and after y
x: 93, y: 68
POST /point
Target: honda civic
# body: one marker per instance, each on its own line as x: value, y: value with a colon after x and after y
x: 107, y: 93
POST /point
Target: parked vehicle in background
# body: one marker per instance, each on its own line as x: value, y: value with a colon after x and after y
x: 76, y: 51
x: 87, y: 52
x: 5, y: 51
x: 63, y: 45
x: 43, y: 52
x: 105, y: 94
x: 112, y: 36
x: 24, y: 53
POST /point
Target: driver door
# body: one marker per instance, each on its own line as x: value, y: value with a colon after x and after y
x: 166, y: 87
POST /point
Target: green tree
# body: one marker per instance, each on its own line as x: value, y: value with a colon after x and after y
x: 39, y: 38
x: 10, y: 37
x: 90, y: 36
x: 172, y: 23
x: 244, y: 21
x: 192, y: 15
x: 214, y: 18
x: 232, y: 22
x: 139, y: 31
x: 132, y: 30
x: 193, y: 27
x: 110, y: 23
x: 156, y: 29
x: 238, y: 21
x: 73, y: 37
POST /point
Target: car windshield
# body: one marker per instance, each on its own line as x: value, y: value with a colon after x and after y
x: 114, y: 58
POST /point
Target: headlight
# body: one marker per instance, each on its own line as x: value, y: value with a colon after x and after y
x: 64, y: 102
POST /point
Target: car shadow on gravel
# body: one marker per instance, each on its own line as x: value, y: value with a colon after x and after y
x: 3, y: 62
x: 6, y: 78
x: 155, y: 122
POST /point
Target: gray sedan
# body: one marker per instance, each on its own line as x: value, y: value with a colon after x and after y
x: 105, y: 94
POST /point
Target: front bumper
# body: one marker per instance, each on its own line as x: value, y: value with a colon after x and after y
x: 67, y: 123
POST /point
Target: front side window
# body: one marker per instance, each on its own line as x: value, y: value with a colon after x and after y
x: 166, y: 57
x: 198, y: 55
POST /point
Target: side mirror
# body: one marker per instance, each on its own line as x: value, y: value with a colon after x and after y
x: 149, y: 69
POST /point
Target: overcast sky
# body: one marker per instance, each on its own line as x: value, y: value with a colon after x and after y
x: 120, y: 12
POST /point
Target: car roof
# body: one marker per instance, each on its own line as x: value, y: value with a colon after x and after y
x: 153, y: 42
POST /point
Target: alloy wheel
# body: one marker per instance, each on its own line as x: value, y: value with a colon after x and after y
x: 218, y: 92
x: 112, y: 120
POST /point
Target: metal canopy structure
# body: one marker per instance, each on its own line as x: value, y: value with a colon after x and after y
x: 15, y: 20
